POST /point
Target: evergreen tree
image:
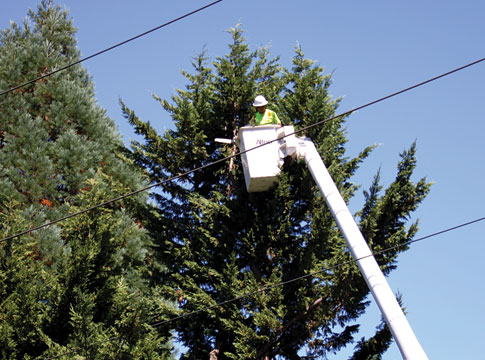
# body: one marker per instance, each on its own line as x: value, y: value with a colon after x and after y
x: 80, y: 287
x: 223, y: 243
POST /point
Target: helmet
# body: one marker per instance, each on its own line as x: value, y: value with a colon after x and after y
x: 260, y: 101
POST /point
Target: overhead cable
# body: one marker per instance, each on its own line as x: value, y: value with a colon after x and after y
x: 121, y: 197
x: 395, y: 93
x: 271, y: 287
x: 108, y: 49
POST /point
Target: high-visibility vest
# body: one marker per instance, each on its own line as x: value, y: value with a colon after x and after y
x: 268, y: 118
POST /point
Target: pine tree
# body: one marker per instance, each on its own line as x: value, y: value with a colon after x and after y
x: 223, y: 243
x: 80, y: 287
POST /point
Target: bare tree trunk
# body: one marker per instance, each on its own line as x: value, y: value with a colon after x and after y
x: 231, y: 166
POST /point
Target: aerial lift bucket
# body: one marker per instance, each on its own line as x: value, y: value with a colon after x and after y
x: 262, y: 164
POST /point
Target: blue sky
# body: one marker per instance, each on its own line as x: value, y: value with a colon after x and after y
x: 373, y: 48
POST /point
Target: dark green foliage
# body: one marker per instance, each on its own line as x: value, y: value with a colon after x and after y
x: 372, y: 349
x: 80, y: 287
x: 221, y: 242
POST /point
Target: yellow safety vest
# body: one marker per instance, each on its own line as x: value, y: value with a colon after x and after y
x: 268, y: 118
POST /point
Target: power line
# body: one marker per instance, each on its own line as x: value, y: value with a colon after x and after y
x: 271, y: 287
x: 108, y: 49
x: 397, y: 93
x: 121, y: 197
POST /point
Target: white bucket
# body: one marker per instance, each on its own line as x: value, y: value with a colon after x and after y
x: 261, y: 166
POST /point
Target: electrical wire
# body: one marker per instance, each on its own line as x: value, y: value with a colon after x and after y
x: 397, y: 93
x: 108, y: 49
x: 270, y: 287
x: 121, y: 197
x: 283, y: 283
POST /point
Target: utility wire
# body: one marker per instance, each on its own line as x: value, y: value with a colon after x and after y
x: 121, y: 197
x: 107, y: 49
x: 396, y: 93
x: 271, y: 287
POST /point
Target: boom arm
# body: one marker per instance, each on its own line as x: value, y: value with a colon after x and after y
x: 405, y: 338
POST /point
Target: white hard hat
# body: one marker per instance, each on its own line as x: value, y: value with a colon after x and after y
x: 260, y: 101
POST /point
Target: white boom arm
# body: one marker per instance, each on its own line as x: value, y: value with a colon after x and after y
x: 405, y: 338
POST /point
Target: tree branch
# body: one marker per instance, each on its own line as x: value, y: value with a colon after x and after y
x: 298, y: 317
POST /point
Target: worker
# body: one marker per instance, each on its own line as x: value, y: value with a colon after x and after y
x: 264, y: 116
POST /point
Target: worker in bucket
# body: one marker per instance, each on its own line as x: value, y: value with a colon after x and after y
x: 264, y: 116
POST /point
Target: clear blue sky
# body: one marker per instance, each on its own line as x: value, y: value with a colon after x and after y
x: 373, y: 48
